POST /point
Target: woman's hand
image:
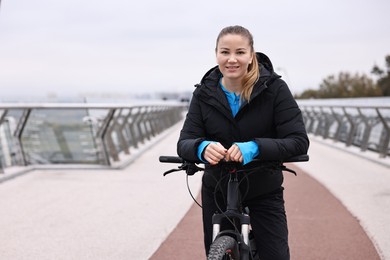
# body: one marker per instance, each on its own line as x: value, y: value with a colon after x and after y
x: 234, y: 154
x: 214, y: 152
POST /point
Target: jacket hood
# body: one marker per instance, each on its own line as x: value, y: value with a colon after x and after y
x: 265, y: 65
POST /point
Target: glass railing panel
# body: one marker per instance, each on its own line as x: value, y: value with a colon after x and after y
x: 32, y: 134
x: 53, y: 136
x: 9, y: 151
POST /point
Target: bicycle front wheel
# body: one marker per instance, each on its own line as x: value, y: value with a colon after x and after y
x: 224, y: 247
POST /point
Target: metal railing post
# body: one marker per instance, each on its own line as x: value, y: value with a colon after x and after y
x: 101, y: 133
x: 2, y: 117
x: 19, y: 132
x: 383, y: 149
x: 349, y: 139
x: 1, y: 160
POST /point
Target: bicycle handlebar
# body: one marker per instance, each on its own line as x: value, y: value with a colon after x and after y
x: 171, y: 159
x: 191, y: 168
x: 298, y: 158
x: 177, y: 159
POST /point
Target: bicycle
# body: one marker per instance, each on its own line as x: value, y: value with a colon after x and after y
x: 236, y: 243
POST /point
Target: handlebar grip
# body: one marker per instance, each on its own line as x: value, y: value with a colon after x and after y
x: 298, y: 158
x: 170, y: 159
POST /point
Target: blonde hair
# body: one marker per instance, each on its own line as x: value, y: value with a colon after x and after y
x: 252, y: 76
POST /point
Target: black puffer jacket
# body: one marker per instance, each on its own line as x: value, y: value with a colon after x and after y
x: 271, y: 118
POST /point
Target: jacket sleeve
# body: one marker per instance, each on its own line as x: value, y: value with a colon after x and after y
x: 290, y: 138
x: 192, y: 133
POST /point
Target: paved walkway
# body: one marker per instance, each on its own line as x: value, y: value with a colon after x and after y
x: 320, y: 227
x: 131, y: 213
x: 361, y: 181
x: 94, y: 214
x: 338, y: 208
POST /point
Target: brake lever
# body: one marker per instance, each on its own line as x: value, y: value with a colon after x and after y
x: 284, y: 168
x: 170, y: 171
x: 189, y: 168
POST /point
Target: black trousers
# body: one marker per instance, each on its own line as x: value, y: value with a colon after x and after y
x: 268, y: 221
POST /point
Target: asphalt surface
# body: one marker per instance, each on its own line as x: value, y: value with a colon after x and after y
x: 320, y: 227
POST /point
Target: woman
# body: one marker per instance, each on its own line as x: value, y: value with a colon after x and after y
x: 242, y: 110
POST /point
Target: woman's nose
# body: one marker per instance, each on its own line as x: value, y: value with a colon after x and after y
x: 232, y: 59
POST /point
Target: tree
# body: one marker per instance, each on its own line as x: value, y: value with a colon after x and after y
x: 383, y: 81
x: 347, y: 85
x: 310, y: 93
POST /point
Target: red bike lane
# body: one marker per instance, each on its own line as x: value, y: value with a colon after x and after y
x: 320, y: 227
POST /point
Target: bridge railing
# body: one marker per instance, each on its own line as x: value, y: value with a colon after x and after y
x: 95, y: 134
x: 367, y: 127
x: 100, y: 134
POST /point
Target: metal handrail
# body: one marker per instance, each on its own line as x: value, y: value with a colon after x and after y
x: 99, y: 133
x: 367, y: 127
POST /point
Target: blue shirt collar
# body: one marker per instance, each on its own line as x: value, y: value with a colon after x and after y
x: 233, y: 99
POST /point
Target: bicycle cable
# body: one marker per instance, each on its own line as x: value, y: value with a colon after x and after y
x: 218, y: 185
x: 192, y: 196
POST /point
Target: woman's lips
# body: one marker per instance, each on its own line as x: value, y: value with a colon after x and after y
x: 232, y: 68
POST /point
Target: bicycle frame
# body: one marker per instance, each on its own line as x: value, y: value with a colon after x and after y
x: 235, y: 214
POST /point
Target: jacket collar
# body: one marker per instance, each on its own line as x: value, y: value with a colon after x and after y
x: 210, y: 92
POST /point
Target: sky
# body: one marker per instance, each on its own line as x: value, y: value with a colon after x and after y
x: 122, y: 47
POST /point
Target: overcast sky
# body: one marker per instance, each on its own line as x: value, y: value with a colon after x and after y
x: 78, y: 47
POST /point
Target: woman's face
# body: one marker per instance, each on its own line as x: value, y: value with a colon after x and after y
x: 234, y: 55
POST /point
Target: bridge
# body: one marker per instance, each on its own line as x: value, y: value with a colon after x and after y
x: 83, y: 181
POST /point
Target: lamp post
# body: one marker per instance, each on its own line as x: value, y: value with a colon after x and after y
x: 287, y: 79
x: 284, y: 71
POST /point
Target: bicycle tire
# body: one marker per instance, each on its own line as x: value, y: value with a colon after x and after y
x: 224, y: 247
